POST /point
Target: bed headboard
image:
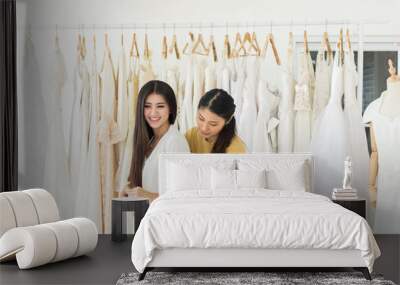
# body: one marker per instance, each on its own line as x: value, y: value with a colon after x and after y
x: 213, y: 158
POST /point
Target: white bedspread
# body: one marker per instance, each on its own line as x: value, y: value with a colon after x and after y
x: 254, y: 218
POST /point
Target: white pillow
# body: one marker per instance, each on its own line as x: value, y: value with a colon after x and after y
x: 223, y: 179
x: 228, y: 179
x: 189, y: 175
x: 251, y: 178
x: 281, y: 174
x: 181, y: 177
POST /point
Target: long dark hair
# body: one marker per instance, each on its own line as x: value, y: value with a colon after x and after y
x: 143, y: 133
x: 221, y: 103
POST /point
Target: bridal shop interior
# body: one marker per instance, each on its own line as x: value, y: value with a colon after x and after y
x: 314, y: 79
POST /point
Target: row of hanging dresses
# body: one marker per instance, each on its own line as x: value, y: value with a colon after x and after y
x: 329, y: 142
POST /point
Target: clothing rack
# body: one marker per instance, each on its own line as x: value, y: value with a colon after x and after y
x: 210, y: 25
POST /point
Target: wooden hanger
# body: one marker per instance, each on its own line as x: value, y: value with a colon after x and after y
x: 290, y: 40
x: 106, y: 40
x: 212, y: 49
x: 200, y: 44
x: 79, y: 46
x: 227, y: 47
x: 274, y: 49
x: 83, y: 47
x: 252, y: 49
x: 94, y: 41
x: 185, y: 48
x: 340, y: 47
x: 327, y: 46
x: 270, y: 41
x: 255, y: 42
x: 146, y: 51
x: 392, y: 71
x: 348, y: 41
x: 134, y: 48
x: 237, y: 45
x: 306, y: 42
x: 174, y: 47
x: 164, y: 51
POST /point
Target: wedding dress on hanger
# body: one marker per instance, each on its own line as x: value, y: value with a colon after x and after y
x: 330, y: 143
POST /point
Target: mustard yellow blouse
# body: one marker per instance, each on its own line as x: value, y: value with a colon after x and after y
x: 198, y: 144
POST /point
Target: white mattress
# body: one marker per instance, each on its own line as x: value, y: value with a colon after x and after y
x: 253, y: 218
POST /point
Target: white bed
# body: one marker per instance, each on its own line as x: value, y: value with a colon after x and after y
x: 248, y: 227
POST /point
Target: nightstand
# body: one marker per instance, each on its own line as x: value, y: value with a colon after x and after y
x: 358, y: 206
x: 119, y: 205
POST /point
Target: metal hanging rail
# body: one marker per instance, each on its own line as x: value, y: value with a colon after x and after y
x: 208, y: 25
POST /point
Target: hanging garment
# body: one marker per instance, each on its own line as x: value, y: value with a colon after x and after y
x: 146, y: 72
x: 93, y: 201
x: 56, y: 169
x: 210, y: 76
x: 170, y: 73
x: 122, y: 103
x: 108, y: 136
x: 186, y: 119
x: 286, y: 106
x: 311, y: 77
x: 358, y: 147
x: 223, y: 75
x: 323, y: 76
x: 171, y: 141
x: 387, y: 137
x: 237, y: 84
x: 264, y: 139
x: 329, y: 143
x: 133, y: 90
x: 302, y: 108
x: 198, y: 85
x: 264, y: 133
x: 286, y: 115
x: 75, y: 129
x: 83, y: 195
x: 248, y: 117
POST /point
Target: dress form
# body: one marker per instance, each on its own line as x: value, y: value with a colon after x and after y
x: 383, y: 114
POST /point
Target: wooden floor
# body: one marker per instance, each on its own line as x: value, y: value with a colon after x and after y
x: 110, y: 260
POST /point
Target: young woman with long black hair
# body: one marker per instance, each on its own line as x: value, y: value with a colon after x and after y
x: 154, y: 134
x: 216, y: 125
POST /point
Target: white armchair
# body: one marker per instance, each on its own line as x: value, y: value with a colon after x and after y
x: 31, y: 230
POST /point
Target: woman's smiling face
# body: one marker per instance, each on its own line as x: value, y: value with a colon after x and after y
x: 156, y: 111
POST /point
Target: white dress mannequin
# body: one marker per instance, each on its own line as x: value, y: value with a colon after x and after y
x: 384, y: 116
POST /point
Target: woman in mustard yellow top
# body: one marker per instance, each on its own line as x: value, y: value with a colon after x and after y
x: 216, y: 125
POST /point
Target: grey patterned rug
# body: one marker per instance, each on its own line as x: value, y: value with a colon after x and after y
x: 242, y: 278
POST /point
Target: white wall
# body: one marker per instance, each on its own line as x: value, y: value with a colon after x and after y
x: 35, y: 90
